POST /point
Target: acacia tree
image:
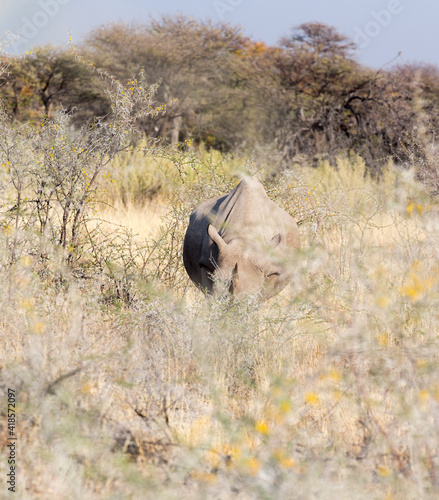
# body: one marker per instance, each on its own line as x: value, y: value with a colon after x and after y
x: 50, y: 172
x: 16, y: 91
x: 329, y: 104
x: 421, y: 82
x: 56, y: 75
x: 315, y: 68
x: 196, y: 63
x: 48, y: 78
x: 306, y: 96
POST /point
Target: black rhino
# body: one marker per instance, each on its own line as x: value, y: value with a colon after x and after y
x: 240, y: 240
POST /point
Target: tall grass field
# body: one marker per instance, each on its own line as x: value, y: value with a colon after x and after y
x: 119, y: 379
x: 129, y: 383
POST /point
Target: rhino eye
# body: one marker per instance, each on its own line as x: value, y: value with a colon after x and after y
x: 270, y: 275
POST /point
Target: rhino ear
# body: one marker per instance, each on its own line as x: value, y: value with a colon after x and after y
x: 215, y: 237
x: 232, y: 280
x: 275, y: 241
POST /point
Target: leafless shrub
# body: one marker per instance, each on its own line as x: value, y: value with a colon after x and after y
x: 50, y: 173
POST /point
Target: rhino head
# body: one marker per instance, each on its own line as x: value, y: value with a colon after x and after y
x: 246, y: 271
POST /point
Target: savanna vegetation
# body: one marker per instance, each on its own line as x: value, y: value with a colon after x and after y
x: 306, y: 98
x: 129, y: 383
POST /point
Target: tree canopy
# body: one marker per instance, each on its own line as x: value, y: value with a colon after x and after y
x: 306, y: 96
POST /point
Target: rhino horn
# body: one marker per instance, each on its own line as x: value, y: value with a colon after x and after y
x: 216, y: 238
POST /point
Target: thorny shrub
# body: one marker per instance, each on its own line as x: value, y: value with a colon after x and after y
x: 49, y: 173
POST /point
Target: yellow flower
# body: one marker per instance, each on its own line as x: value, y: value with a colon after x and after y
x: 204, y: 476
x: 233, y: 451
x: 383, y: 339
x: 285, y: 406
x: 421, y: 363
x: 39, y: 327
x: 338, y: 395
x: 26, y: 260
x: 383, y: 471
x: 424, y: 395
x: 262, y: 427
x: 416, y: 287
x: 382, y: 302
x: 253, y: 465
x: 334, y: 375
x: 28, y: 303
x: 8, y: 230
x: 284, y: 461
x: 88, y: 388
x: 312, y: 398
x: 288, y: 463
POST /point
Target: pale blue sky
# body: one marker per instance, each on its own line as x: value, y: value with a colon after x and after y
x: 382, y: 28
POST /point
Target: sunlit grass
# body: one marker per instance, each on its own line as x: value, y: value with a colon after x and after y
x: 131, y: 384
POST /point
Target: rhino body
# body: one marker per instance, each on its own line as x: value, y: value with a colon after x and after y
x: 240, y: 240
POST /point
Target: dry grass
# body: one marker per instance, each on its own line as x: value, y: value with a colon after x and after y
x: 144, y: 221
x: 329, y: 390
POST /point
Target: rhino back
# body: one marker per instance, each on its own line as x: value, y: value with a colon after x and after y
x: 248, y: 213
